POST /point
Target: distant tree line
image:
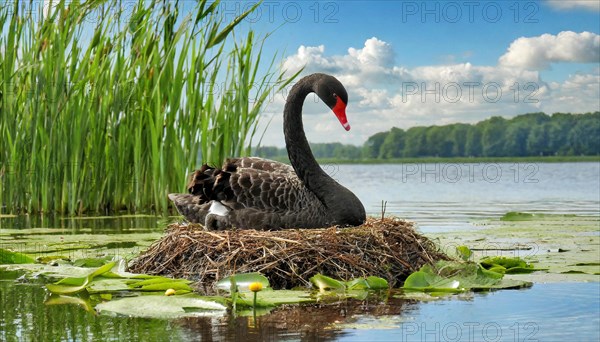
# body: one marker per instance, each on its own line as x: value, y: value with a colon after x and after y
x: 534, y: 134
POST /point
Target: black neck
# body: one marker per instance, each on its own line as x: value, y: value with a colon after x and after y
x: 301, y: 157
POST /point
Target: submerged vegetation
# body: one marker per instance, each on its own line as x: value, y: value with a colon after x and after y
x: 105, y: 105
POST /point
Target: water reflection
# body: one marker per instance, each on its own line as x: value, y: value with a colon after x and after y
x: 25, y: 317
x: 310, y: 323
x: 90, y: 224
x: 547, y: 312
x: 558, y: 311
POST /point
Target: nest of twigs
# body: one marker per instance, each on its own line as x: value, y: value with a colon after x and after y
x: 387, y: 248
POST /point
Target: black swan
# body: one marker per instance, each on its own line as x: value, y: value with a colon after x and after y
x: 256, y: 193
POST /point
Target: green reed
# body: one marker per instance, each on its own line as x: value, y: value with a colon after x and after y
x: 105, y: 107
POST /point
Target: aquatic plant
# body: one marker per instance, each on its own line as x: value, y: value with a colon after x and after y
x: 108, y: 105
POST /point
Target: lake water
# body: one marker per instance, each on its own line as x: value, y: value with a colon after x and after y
x: 447, y: 195
x: 437, y: 196
x: 546, y: 312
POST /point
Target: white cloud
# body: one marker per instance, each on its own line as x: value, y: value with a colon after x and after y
x: 539, y: 52
x: 593, y: 5
x: 577, y: 94
x: 375, y: 53
x: 383, y: 95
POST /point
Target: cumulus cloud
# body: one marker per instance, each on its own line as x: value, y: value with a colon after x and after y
x: 382, y: 95
x: 593, y: 5
x: 375, y: 53
x: 577, y: 94
x: 539, y: 52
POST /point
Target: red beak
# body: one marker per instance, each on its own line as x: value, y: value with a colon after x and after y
x: 340, y: 111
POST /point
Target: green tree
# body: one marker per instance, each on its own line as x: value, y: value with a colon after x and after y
x: 372, y: 146
x: 515, y: 141
x: 537, y: 141
x: 439, y: 141
x: 393, y: 145
x: 459, y: 139
x: 584, y: 138
x: 415, y: 141
x: 473, y: 147
x: 559, y: 127
x: 492, y: 136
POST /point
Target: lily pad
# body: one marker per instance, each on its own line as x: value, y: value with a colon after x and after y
x: 271, y: 298
x: 507, y: 265
x: 107, y: 285
x: 323, y: 282
x: 377, y: 283
x: 427, y: 282
x: 448, y: 276
x: 165, y: 307
x: 464, y: 252
x: 369, y: 283
x: 90, y: 262
x: 10, y: 257
x: 74, y: 285
x: 161, y: 284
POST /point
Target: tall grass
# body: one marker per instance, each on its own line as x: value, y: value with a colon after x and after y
x: 106, y: 108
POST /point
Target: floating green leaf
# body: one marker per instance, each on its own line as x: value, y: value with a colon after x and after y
x: 326, y: 283
x: 377, y: 283
x: 176, y: 285
x: 357, y: 284
x: 106, y: 285
x: 10, y: 257
x: 427, y: 282
x: 464, y: 252
x: 160, y: 306
x: 271, y: 298
x: 90, y: 262
x: 77, y: 284
x: 507, y: 265
x: 449, y: 276
x: 369, y: 283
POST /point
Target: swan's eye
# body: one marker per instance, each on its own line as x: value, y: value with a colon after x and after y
x: 334, y: 95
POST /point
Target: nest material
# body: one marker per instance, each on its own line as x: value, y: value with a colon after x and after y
x: 388, y: 248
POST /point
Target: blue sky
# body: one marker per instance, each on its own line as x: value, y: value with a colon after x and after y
x: 421, y: 32
x: 411, y: 63
x: 542, y: 56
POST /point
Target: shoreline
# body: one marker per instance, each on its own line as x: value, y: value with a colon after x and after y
x: 431, y: 160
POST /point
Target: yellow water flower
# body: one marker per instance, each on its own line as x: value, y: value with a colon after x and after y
x: 255, y: 287
x: 170, y: 292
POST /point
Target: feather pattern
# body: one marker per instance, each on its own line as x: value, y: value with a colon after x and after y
x: 259, y: 193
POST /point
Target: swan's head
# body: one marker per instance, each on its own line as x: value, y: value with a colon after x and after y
x: 333, y: 93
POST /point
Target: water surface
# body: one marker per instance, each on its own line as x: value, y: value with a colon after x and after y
x: 546, y: 312
x: 437, y: 196
x: 446, y: 195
